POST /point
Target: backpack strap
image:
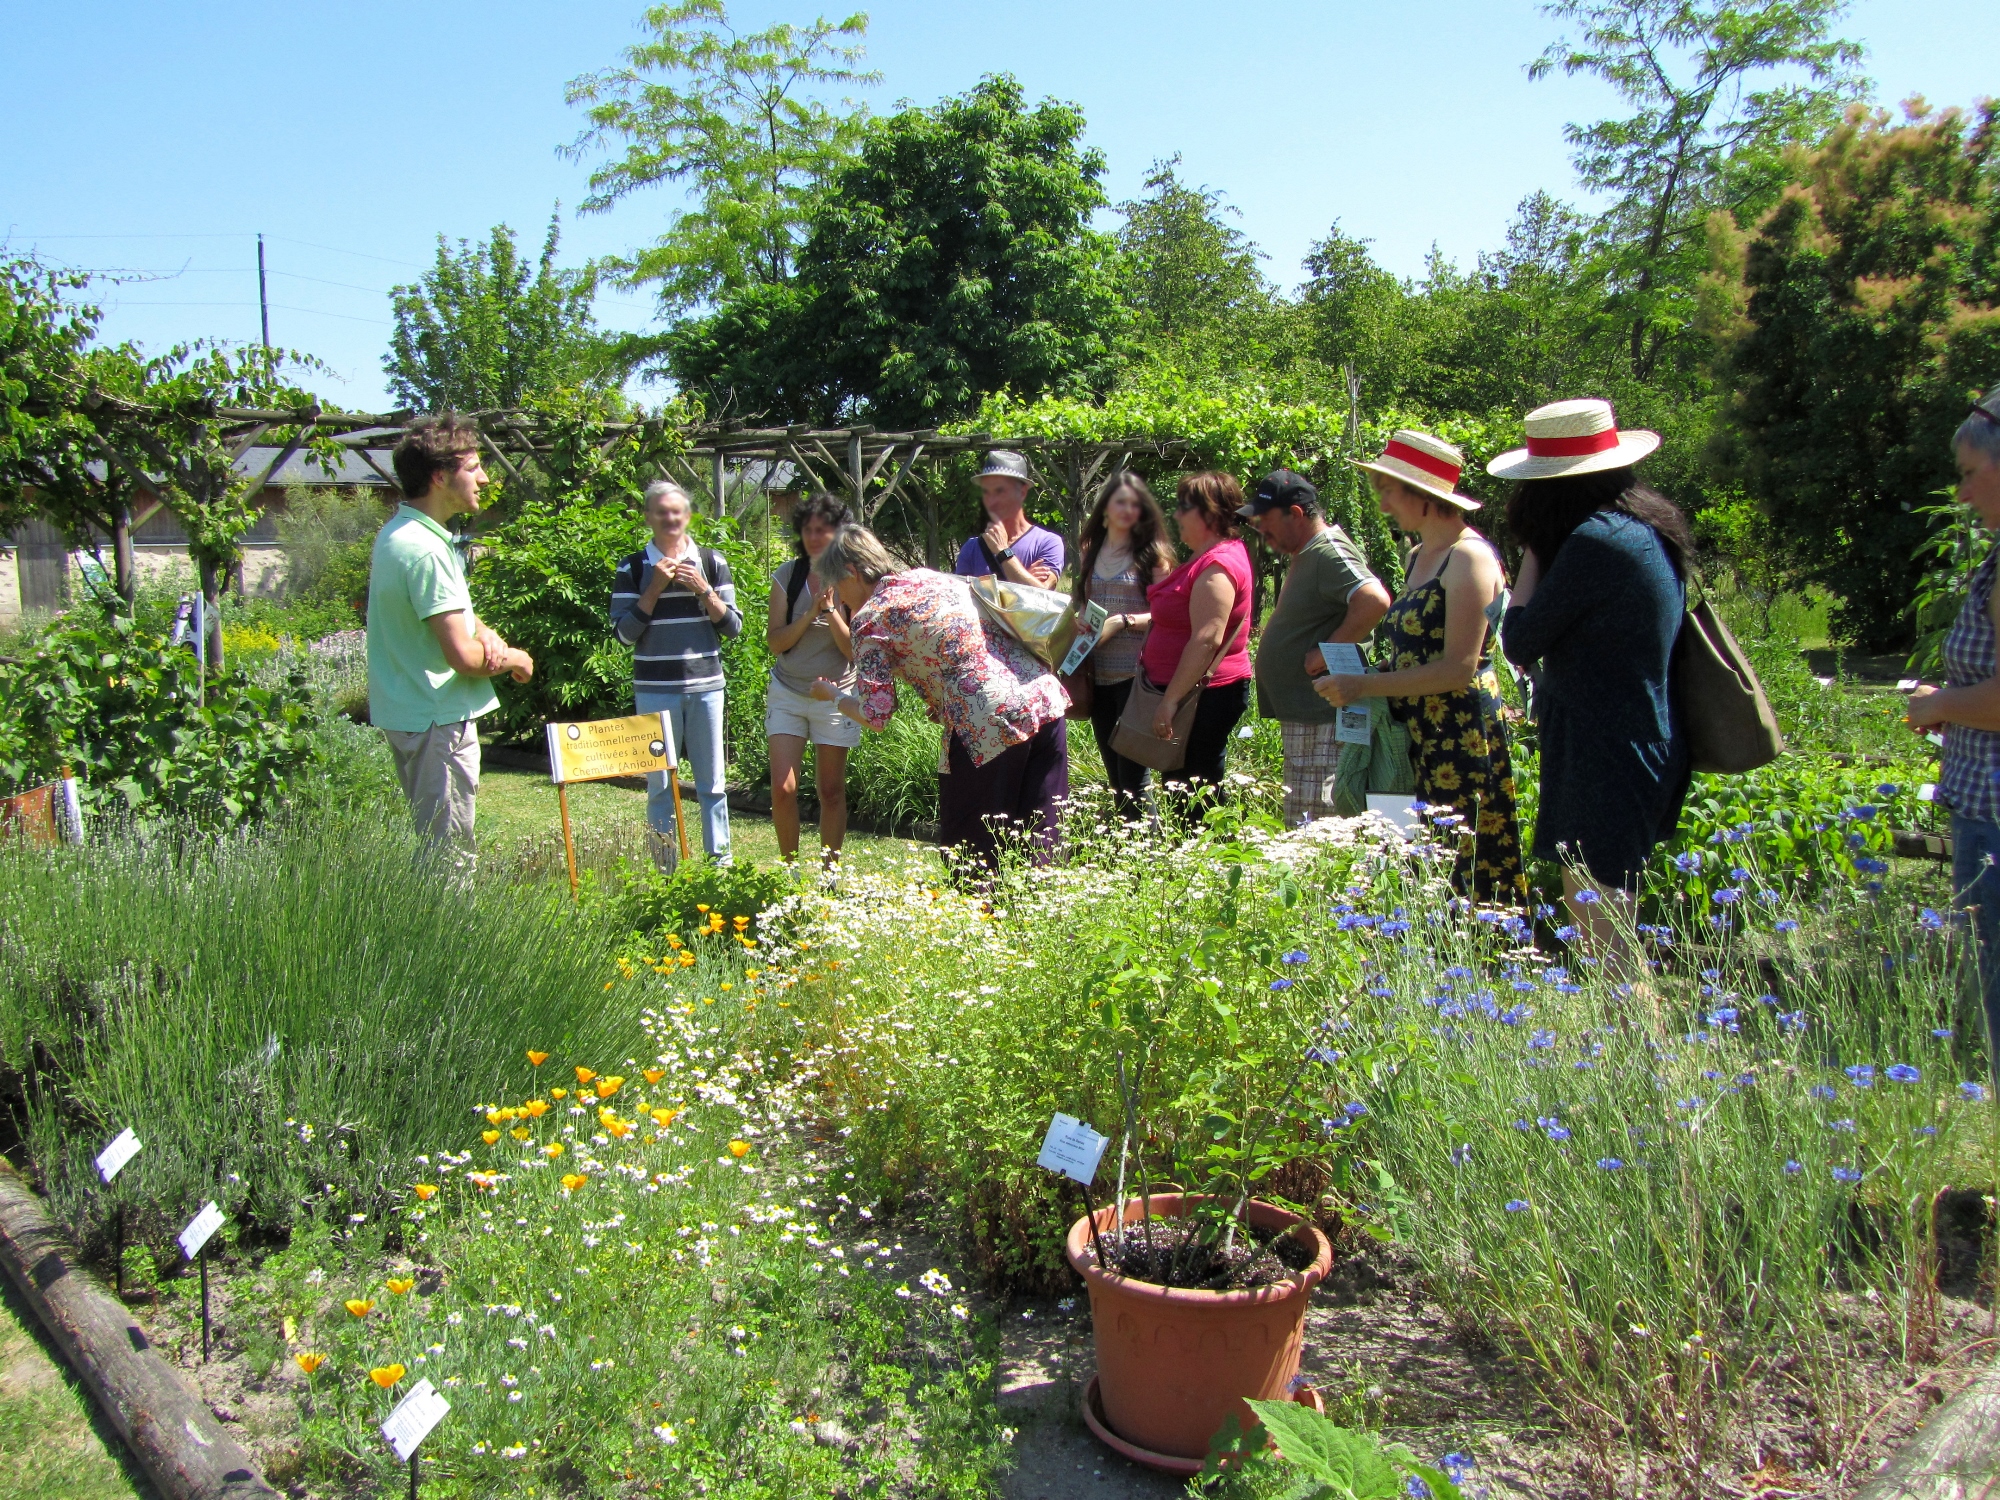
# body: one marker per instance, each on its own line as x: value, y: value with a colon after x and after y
x: 795, y: 586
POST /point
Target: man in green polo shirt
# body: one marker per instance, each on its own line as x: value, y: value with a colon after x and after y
x: 1329, y: 594
x: 429, y: 658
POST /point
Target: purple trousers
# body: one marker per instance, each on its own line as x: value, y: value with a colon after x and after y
x: 1018, y: 789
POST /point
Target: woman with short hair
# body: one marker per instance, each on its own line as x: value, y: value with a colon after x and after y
x: 1597, y: 608
x: 1007, y: 757
x: 1199, y: 642
x: 1438, y: 663
x: 1124, y: 552
x: 808, y: 636
x: 1967, y: 709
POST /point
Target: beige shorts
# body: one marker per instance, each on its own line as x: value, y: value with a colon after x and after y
x: 787, y: 712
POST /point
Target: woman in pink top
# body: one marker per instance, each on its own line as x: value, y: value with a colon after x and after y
x: 1201, y: 626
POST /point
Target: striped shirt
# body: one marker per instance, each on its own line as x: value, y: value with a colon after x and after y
x: 675, y: 648
x: 1969, y: 779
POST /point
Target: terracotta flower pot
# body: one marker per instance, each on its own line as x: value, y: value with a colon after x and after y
x: 1174, y: 1363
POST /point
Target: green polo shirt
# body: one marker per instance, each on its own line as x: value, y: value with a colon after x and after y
x: 413, y: 575
x: 1311, y: 606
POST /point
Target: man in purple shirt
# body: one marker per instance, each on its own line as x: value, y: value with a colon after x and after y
x: 1012, y: 545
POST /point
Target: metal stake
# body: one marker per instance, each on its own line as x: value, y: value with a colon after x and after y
x: 413, y: 1476
x: 202, y: 1259
x: 118, y: 1250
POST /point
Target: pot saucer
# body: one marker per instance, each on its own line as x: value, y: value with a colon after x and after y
x: 1166, y: 1463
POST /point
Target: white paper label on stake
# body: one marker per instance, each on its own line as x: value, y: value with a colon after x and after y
x: 1072, y: 1148
x: 111, y: 1160
x: 1399, y: 808
x: 1909, y: 685
x: 200, y: 1228
x: 412, y: 1420
x: 1927, y: 792
x: 1343, y: 658
x: 1354, y: 725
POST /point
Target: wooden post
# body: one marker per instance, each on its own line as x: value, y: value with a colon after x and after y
x: 569, y: 844
x: 680, y: 822
x: 720, y: 477
x: 854, y: 474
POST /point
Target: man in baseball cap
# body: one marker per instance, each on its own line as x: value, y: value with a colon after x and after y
x: 1329, y: 594
x: 1011, y: 546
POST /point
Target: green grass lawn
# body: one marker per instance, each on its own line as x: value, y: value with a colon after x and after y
x: 52, y: 1442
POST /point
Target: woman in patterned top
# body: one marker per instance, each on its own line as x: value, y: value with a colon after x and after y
x: 1124, y: 552
x: 1967, y: 708
x: 1439, y: 668
x: 1008, y: 759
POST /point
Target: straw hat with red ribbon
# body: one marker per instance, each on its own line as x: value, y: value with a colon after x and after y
x: 1573, y: 437
x: 1424, y: 463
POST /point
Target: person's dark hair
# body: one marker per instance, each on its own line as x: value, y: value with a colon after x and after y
x: 1216, y: 496
x: 1152, y: 553
x: 819, y: 505
x: 1541, y: 513
x: 431, y: 446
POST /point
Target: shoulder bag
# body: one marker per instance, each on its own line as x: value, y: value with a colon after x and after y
x: 1728, y: 721
x: 1134, y: 738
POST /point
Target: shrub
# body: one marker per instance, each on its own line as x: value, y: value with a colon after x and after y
x: 651, y: 903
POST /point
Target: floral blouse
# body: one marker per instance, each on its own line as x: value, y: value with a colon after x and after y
x: 988, y: 689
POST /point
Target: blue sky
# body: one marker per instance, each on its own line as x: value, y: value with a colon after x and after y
x: 163, y: 138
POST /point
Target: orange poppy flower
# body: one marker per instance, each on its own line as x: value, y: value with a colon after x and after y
x: 739, y: 1149
x: 520, y: 1132
x: 573, y: 1180
x: 606, y: 1087
x: 358, y: 1307
x: 584, y: 1075
x: 400, y: 1284
x: 558, y: 1093
x: 536, y: 1059
x: 425, y: 1191
x: 489, y: 1136
x: 310, y: 1361
x: 654, y: 1075
x: 534, y: 1109
x: 387, y: 1375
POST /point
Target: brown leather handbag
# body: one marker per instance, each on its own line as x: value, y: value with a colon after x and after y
x: 1135, y: 739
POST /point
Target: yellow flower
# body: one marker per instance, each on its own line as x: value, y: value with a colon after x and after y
x: 664, y: 1117
x: 699, y: 906
x: 707, y: 1000
x: 673, y: 940
x: 606, y: 1087
x: 400, y: 1284
x: 739, y: 1149
x: 620, y: 1128
x: 520, y: 1132
x: 359, y: 1308
x: 751, y: 973
x: 573, y: 1180
x: 489, y: 1136
x: 584, y: 1075
x: 310, y: 1361
x: 499, y: 1116
x: 608, y: 983
x: 536, y: 1059
x: 534, y: 1109
x: 687, y: 960
x: 553, y: 1150
x: 741, y: 922
x: 387, y: 1375
x: 728, y: 986
x: 558, y: 1093
x: 654, y: 1075
x: 425, y: 1191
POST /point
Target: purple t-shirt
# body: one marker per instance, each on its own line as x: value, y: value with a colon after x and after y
x: 1037, y: 545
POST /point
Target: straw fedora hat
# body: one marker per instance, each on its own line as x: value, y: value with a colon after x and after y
x: 1424, y: 463
x: 1573, y: 437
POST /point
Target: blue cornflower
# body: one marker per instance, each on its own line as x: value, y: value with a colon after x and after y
x: 1524, y: 986
x: 1395, y: 928
x: 1325, y: 1055
x: 1821, y: 1091
x: 1867, y: 864
x: 1542, y: 1039
x: 1296, y: 956
x: 1930, y: 921
x: 1861, y: 1075
x: 1862, y: 814
x: 1610, y: 1163
x: 1522, y: 1125
x: 1846, y: 1174
x: 1380, y: 989
x: 1769, y: 897
x: 1354, y: 1109
x: 1926, y: 1130
x: 1857, y: 841
x: 1729, y: 895
x: 1357, y: 919
x: 1328, y: 1127
x: 1785, y: 924
x: 1281, y: 984
x: 1770, y: 1000
x: 1887, y: 789
x: 1942, y: 1033
x: 1458, y: 971
x: 1845, y: 1127
x: 1792, y: 1168
x: 1460, y: 1155
x: 1792, y: 1020
x: 1689, y: 862
x: 1417, y: 1488
x: 1692, y: 1102
x: 1723, y: 1015
x: 1902, y: 1073
x: 1737, y: 872
x: 1587, y: 898
x: 1710, y: 1074
x: 1558, y: 1132
x: 1516, y: 1205
x: 1565, y: 934
x: 1514, y: 1015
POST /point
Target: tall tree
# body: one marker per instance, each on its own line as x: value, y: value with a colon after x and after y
x: 486, y: 329
x: 952, y: 258
x: 1854, y: 326
x: 739, y: 122
x: 1702, y: 136
x: 1193, y: 274
x: 47, y: 439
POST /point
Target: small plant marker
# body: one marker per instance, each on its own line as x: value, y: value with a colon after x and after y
x: 194, y: 1241
x: 110, y: 1162
x: 1072, y: 1149
x: 411, y: 1422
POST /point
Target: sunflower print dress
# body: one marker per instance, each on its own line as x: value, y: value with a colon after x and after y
x: 1458, y: 747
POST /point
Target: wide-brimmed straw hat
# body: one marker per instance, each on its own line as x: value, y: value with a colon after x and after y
x: 1573, y: 437
x: 1424, y: 463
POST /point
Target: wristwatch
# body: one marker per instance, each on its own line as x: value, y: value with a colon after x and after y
x: 1005, y: 554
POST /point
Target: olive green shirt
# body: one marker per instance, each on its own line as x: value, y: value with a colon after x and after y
x: 1312, y: 605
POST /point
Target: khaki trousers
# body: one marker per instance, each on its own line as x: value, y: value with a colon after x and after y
x: 439, y: 770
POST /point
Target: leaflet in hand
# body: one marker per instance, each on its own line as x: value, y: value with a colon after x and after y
x: 1089, y: 625
x: 1344, y: 658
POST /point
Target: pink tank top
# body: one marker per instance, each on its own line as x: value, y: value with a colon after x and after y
x: 1173, y: 628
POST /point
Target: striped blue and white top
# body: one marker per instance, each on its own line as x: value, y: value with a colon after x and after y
x: 1969, y: 779
x: 675, y: 648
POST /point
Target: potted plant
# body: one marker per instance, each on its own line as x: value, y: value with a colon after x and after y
x: 1198, y: 1298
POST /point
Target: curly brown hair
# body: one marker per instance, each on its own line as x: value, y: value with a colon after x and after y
x: 431, y: 446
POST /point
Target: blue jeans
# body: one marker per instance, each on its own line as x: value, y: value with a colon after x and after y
x: 697, y: 723
x: 1975, y: 877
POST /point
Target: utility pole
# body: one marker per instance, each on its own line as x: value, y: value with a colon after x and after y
x: 263, y: 303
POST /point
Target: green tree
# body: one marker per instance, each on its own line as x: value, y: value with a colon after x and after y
x: 484, y: 328
x: 1701, y: 136
x: 1853, y: 326
x: 952, y: 258
x: 1197, y: 290
x: 737, y: 121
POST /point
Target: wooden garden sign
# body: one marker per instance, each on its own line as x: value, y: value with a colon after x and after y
x: 600, y: 749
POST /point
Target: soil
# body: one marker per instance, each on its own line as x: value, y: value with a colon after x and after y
x: 1174, y: 1252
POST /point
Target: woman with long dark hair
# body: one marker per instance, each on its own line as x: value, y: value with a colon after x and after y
x: 806, y: 630
x: 1597, y: 606
x: 1125, y: 551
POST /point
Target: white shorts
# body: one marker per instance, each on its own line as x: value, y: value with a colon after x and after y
x: 787, y: 712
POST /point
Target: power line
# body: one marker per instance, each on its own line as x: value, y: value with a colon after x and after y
x: 247, y: 235
x: 118, y: 306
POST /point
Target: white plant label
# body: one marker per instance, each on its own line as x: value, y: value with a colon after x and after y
x: 200, y: 1229
x: 412, y: 1420
x: 1072, y: 1148
x: 1399, y: 808
x: 1927, y: 792
x: 1343, y: 658
x: 111, y: 1160
x: 1909, y: 685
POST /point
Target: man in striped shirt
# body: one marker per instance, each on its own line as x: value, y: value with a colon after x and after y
x: 672, y: 603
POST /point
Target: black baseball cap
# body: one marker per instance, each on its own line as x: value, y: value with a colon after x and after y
x: 1279, y: 490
